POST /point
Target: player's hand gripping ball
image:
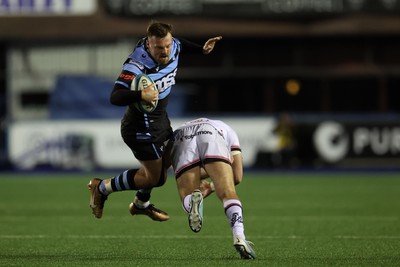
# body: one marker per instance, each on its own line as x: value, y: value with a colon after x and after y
x: 140, y: 82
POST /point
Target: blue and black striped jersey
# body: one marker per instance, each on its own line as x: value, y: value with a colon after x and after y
x: 140, y: 61
x: 154, y: 126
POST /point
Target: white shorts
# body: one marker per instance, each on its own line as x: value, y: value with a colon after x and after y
x: 196, y: 145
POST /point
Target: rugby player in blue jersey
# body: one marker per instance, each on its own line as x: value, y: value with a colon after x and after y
x: 146, y: 134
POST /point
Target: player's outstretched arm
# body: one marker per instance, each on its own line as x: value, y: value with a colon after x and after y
x: 209, y: 45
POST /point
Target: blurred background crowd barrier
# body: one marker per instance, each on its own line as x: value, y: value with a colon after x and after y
x: 306, y: 84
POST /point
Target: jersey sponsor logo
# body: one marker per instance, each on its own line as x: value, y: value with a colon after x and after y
x: 191, y: 136
x: 127, y: 77
x: 166, y: 82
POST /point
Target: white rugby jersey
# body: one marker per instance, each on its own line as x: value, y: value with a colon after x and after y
x: 200, y: 141
x: 227, y: 132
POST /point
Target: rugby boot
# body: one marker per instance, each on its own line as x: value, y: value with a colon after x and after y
x: 97, y: 199
x: 244, y: 248
x: 151, y: 211
x: 196, y: 211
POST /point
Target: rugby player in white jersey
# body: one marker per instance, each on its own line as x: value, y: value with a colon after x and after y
x: 214, y: 146
x: 146, y: 134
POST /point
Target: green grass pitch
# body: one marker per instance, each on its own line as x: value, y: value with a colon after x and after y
x: 305, y: 219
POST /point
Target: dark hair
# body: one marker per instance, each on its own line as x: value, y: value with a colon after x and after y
x: 158, y: 29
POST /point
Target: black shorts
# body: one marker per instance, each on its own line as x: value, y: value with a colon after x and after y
x: 145, y: 150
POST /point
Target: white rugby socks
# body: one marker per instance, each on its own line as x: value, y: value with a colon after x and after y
x: 234, y: 213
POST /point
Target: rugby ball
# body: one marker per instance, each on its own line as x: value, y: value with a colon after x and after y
x: 139, y: 82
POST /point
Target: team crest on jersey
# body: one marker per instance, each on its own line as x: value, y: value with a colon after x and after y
x: 137, y: 64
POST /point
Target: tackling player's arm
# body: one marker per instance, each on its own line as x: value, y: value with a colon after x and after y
x: 237, y: 167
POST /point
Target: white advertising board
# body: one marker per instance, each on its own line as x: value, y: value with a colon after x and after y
x: 87, y: 144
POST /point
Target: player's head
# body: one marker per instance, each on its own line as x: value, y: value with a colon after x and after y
x: 159, y: 41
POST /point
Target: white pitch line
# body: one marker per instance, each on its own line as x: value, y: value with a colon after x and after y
x: 186, y: 237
